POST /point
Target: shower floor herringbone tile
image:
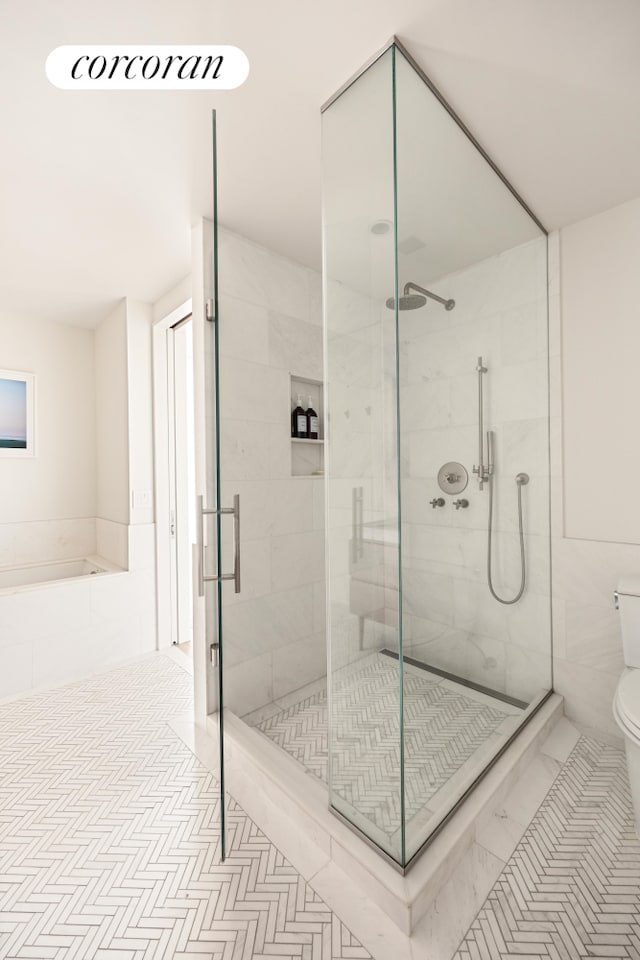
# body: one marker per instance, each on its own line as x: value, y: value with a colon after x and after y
x: 443, y: 730
x: 109, y: 838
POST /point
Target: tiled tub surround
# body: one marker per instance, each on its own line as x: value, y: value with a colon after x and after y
x: 52, y: 632
x: 35, y: 575
x: 42, y: 541
x: 270, y: 328
x: 449, y: 732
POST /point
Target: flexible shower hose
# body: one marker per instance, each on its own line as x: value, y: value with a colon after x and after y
x: 522, y: 562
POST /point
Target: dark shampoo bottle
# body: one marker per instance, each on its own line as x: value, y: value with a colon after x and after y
x: 312, y: 421
x: 299, y: 421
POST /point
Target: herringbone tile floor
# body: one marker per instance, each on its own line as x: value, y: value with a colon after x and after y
x: 109, y: 838
x: 571, y: 890
x: 109, y: 847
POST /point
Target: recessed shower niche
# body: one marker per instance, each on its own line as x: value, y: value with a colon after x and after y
x: 435, y: 325
x: 307, y: 455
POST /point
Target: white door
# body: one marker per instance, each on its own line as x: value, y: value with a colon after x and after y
x: 182, y: 516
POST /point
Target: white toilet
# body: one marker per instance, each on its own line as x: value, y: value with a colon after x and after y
x: 626, y: 703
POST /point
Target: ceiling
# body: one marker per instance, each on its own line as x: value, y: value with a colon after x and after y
x: 99, y: 189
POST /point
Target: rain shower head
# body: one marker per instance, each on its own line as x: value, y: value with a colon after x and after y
x: 412, y: 301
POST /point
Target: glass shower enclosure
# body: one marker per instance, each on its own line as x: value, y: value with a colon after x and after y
x: 437, y: 457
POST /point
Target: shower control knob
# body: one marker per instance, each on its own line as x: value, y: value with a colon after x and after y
x: 461, y: 503
x: 452, y: 478
x: 437, y: 502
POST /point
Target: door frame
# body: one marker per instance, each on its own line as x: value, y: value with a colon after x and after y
x: 183, y: 529
x: 162, y: 407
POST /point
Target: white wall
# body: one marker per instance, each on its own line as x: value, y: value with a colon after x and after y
x: 60, y: 481
x: 48, y: 503
x: 601, y: 378
x: 177, y: 295
x: 112, y: 412
x: 596, y: 519
x: 124, y: 427
x: 140, y: 414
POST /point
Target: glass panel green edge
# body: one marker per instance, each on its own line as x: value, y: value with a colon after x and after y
x: 223, y: 835
x: 394, y: 93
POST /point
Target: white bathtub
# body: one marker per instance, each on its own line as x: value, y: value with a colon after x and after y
x: 37, y: 574
x: 64, y: 618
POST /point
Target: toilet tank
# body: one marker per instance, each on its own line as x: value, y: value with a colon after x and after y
x: 628, y: 603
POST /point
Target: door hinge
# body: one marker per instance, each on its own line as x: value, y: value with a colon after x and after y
x: 208, y: 311
x: 213, y: 650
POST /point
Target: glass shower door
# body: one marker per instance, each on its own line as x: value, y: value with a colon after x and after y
x: 218, y: 556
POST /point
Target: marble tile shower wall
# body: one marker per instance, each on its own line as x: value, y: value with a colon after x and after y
x: 361, y: 455
x: 449, y: 617
x: 270, y: 328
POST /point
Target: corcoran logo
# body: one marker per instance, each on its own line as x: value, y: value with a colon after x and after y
x: 147, y: 67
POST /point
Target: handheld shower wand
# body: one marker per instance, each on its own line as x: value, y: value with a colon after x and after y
x: 522, y: 479
x: 485, y: 475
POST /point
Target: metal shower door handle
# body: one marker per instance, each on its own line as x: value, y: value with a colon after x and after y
x: 206, y: 512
